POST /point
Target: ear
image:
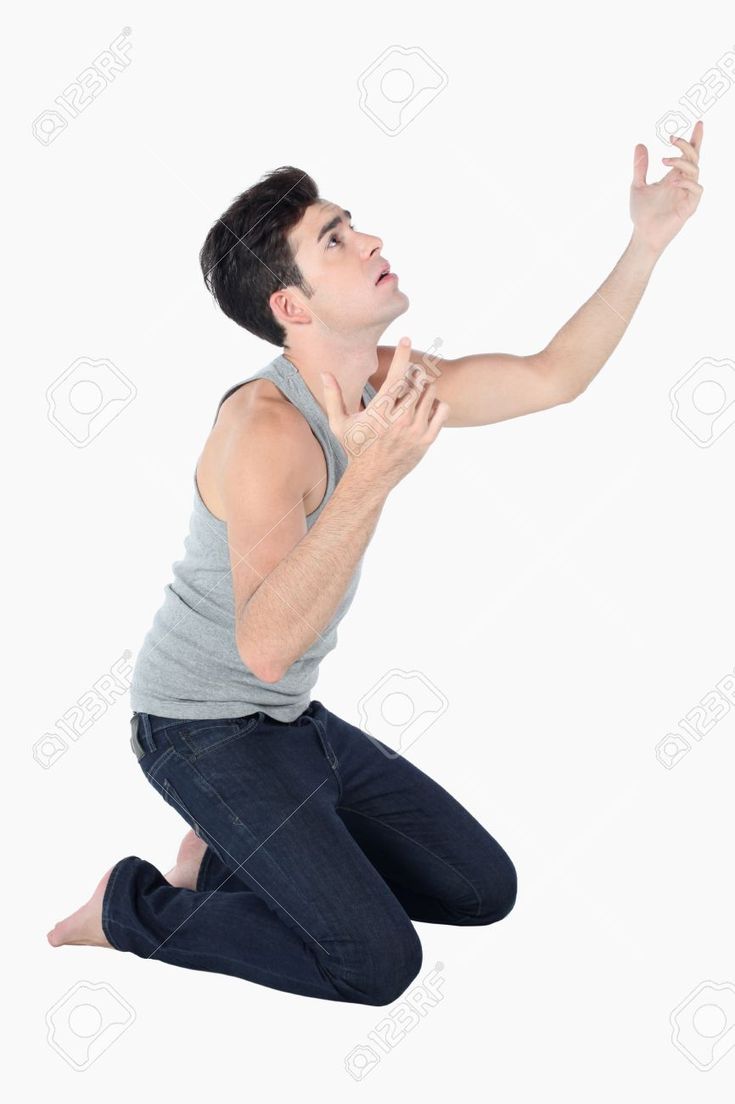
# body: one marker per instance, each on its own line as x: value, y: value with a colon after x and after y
x: 288, y: 307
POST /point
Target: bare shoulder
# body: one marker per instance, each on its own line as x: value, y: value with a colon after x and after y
x: 251, y: 401
x: 257, y: 431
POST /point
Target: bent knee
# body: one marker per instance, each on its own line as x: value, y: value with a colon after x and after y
x: 391, y: 975
x: 384, y: 971
x: 496, y: 896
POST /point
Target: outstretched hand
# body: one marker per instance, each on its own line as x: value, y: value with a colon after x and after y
x: 659, y: 210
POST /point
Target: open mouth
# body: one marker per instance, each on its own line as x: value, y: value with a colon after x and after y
x: 384, y: 277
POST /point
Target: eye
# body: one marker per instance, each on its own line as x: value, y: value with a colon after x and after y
x: 334, y: 237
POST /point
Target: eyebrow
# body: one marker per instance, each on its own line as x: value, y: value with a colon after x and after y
x: 334, y: 222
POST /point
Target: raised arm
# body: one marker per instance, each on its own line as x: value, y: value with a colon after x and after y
x: 491, y: 387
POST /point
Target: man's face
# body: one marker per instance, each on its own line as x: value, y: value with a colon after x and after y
x: 341, y: 265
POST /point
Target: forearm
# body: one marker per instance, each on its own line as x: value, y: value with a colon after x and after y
x: 581, y: 347
x: 298, y: 599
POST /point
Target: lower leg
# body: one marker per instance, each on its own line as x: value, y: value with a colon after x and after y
x: 245, y: 935
x: 85, y: 925
x: 185, y: 871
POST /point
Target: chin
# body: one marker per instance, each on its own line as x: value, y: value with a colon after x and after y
x: 406, y: 304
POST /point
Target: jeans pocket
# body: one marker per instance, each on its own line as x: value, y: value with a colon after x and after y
x: 201, y: 737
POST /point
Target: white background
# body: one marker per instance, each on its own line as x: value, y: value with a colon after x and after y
x: 564, y: 579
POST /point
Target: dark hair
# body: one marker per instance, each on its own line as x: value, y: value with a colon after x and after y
x: 246, y: 255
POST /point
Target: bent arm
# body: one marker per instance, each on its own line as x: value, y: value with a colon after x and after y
x: 299, y: 597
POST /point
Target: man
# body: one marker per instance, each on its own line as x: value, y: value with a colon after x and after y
x: 313, y: 846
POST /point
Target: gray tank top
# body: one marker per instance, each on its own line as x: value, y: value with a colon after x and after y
x: 189, y: 666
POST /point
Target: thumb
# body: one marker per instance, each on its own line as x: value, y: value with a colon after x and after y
x: 640, y: 165
x: 333, y: 399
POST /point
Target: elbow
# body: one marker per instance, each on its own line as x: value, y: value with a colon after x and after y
x: 272, y: 673
x: 264, y: 668
x: 564, y: 387
x: 570, y: 396
x: 571, y: 392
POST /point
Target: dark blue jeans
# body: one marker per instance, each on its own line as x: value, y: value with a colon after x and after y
x: 322, y: 848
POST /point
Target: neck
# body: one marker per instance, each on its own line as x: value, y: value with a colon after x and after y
x: 351, y: 366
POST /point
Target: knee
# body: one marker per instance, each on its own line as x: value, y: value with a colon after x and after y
x: 392, y: 971
x: 385, y: 969
x: 497, y: 895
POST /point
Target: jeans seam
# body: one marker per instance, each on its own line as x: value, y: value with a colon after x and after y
x: 416, y: 843
x: 163, y: 758
x: 106, y: 918
x: 139, y: 933
x: 330, y: 754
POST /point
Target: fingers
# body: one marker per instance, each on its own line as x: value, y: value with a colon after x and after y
x: 688, y: 163
x: 682, y: 164
x: 688, y: 149
x: 430, y: 411
x: 398, y: 364
x: 333, y: 399
x: 438, y: 417
x: 640, y: 165
x: 697, y: 134
x: 690, y: 186
x: 425, y: 402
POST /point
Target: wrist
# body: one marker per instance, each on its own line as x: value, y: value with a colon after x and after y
x: 642, y: 250
x: 360, y: 481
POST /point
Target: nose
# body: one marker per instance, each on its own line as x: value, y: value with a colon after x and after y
x: 372, y: 244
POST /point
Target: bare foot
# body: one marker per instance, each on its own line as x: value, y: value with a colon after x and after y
x: 85, y: 925
x: 188, y: 861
